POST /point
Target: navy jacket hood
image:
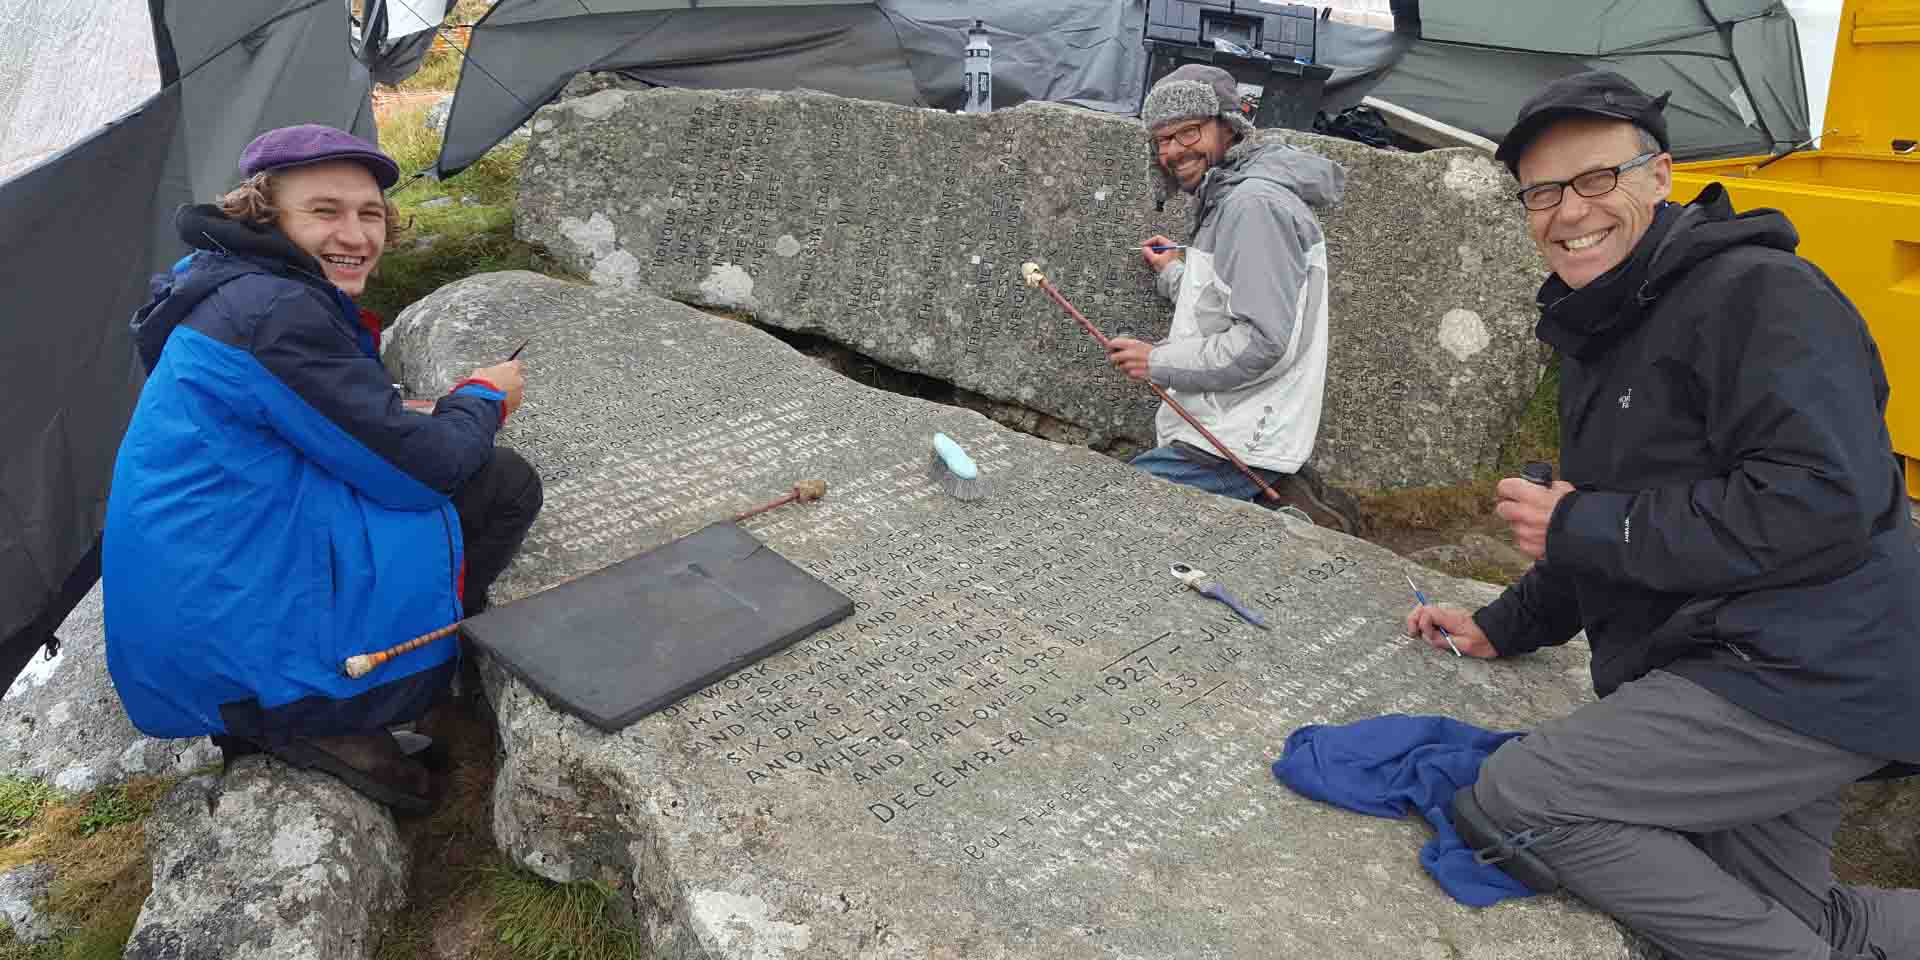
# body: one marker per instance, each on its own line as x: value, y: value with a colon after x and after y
x: 250, y: 248
x: 1584, y: 322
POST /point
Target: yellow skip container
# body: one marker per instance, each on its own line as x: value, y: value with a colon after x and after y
x: 1856, y: 199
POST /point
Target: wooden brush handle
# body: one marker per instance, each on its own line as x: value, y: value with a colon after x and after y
x: 362, y: 664
x: 1265, y: 490
x: 805, y: 491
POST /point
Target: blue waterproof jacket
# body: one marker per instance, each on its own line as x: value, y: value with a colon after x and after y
x: 275, y: 508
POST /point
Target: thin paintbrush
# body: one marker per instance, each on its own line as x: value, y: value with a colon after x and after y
x: 1421, y: 598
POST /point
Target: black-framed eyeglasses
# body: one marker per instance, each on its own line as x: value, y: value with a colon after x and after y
x: 1186, y: 136
x: 1593, y: 183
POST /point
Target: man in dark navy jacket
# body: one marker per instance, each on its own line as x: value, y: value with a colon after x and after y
x: 276, y: 508
x: 1736, y: 543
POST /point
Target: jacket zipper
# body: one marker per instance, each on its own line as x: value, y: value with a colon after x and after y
x: 453, y: 565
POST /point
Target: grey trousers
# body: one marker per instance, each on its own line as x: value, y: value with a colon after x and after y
x: 1704, y: 827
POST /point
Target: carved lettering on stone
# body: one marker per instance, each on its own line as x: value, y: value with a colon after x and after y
x: 1027, y: 729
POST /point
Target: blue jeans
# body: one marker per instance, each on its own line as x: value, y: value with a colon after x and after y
x: 1214, y: 475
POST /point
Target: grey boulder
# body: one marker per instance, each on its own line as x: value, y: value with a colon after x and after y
x: 899, y: 233
x: 61, y: 721
x: 268, y: 863
x: 21, y: 890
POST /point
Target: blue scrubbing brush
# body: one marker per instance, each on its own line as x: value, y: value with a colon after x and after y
x: 954, y: 471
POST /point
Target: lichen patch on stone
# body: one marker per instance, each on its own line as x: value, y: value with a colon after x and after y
x: 596, y: 106
x: 1462, y: 334
x: 1475, y: 178
x: 728, y: 286
x: 732, y: 917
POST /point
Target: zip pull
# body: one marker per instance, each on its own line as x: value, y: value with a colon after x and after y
x: 1742, y: 654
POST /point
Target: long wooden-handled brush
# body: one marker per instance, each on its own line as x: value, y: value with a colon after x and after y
x: 361, y: 664
x: 806, y: 491
x: 1030, y: 272
x: 954, y: 471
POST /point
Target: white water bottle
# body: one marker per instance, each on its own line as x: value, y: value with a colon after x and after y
x: 977, y: 82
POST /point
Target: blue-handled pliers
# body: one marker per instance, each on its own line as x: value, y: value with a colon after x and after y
x: 1198, y: 581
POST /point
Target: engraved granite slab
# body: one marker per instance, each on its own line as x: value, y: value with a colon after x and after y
x: 1027, y: 741
x: 899, y: 233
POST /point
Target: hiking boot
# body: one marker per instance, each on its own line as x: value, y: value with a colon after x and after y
x: 1325, y: 505
x: 371, y: 763
x: 1493, y: 847
x: 427, y: 751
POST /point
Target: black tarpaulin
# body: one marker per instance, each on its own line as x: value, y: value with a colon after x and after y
x: 80, y: 233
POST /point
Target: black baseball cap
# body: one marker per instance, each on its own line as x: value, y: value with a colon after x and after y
x: 1598, y: 93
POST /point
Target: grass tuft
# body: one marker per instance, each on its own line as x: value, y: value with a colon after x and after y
x: 439, y: 70
x: 21, y: 800
x: 537, y: 919
x: 448, y: 902
x: 1537, y: 436
x: 453, y: 229
x: 466, y: 12
x: 448, y: 245
x: 111, y: 806
x: 1462, y: 507
x: 494, y: 179
x: 96, y: 845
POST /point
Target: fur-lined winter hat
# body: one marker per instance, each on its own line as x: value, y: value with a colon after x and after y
x: 1195, y: 91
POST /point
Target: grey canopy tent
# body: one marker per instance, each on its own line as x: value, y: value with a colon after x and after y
x: 1081, y: 52
x: 102, y: 155
x: 1733, y: 65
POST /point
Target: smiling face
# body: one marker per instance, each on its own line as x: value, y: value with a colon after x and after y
x: 1584, y: 237
x: 1187, y: 163
x: 335, y: 212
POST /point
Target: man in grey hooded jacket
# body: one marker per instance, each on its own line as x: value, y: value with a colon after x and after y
x: 1247, y: 351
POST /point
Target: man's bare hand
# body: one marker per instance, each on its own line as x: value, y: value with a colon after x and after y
x: 1425, y: 622
x: 508, y: 379
x: 1528, y: 509
x: 1158, y: 260
x: 1130, y: 356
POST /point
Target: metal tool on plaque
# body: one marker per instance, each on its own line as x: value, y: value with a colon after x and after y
x: 1198, y: 581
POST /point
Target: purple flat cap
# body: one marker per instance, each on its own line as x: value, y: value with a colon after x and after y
x: 312, y: 143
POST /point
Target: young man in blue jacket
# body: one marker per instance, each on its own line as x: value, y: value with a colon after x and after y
x: 276, y: 507
x: 1735, y: 541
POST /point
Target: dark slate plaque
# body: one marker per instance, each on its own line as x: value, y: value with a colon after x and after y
x: 624, y: 641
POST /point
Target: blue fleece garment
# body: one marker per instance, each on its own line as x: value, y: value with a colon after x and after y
x: 1392, y: 765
